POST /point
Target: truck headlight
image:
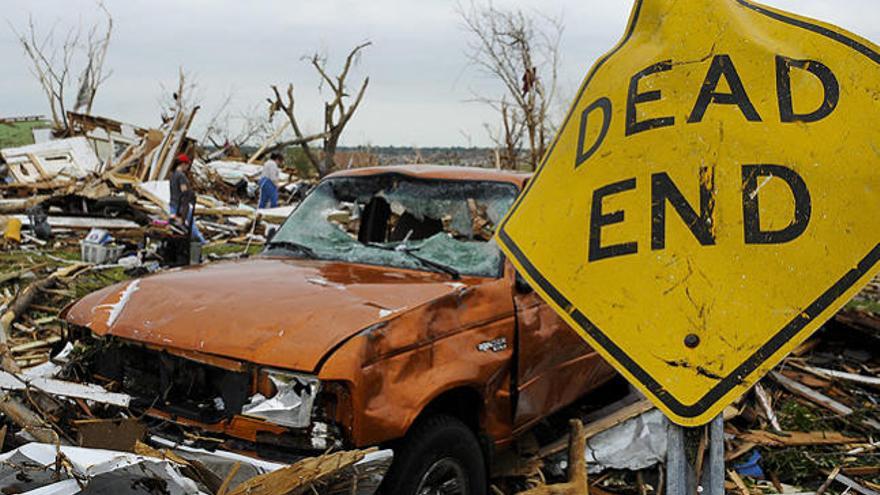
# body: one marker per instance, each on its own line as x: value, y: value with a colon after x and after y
x: 291, y: 404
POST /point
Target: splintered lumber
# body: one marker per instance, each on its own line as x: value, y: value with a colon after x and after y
x: 224, y: 487
x: 15, y: 310
x: 818, y: 398
x: 828, y: 481
x: 842, y: 375
x: 61, y: 388
x: 302, y: 476
x: 83, y: 222
x: 861, y: 470
x: 6, y: 277
x: 158, y: 154
x: 852, y: 484
x: 274, y: 137
x: 22, y: 302
x: 36, y: 344
x: 740, y: 485
x: 796, y: 438
x: 132, y: 154
x: 225, y: 212
x: 739, y: 451
x: 767, y: 406
x: 577, y: 470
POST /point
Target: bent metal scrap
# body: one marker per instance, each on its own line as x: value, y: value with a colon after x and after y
x: 711, y: 198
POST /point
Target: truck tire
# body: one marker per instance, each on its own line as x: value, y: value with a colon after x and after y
x: 440, y: 456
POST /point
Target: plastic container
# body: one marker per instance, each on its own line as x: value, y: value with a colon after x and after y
x: 99, y: 236
x: 100, y: 254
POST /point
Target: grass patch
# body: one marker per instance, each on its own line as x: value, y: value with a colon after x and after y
x: 795, y: 416
x: 95, y: 280
x: 861, y: 305
x: 227, y: 248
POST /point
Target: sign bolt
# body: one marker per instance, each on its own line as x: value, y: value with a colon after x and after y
x: 691, y: 340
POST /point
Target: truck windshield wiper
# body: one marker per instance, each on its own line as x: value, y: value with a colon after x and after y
x: 452, y: 272
x: 292, y: 246
x: 435, y: 266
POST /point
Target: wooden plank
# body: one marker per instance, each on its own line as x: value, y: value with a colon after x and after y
x: 35, y: 160
x: 592, y: 429
x: 301, y: 477
x: 62, y: 388
x: 269, y: 141
x: 796, y: 438
x: 854, y: 485
x: 35, y: 344
x: 740, y: 485
x: 861, y: 471
x: 842, y: 375
x: 84, y: 222
x: 818, y: 398
x: 159, y: 151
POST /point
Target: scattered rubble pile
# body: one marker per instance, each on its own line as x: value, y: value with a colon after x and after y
x: 811, y: 426
x: 114, y: 177
x: 83, y: 211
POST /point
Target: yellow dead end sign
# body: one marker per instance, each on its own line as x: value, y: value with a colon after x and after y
x: 712, y: 197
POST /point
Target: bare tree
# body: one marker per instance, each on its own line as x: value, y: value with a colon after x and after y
x: 337, y: 113
x: 93, y: 74
x: 507, y: 137
x: 184, y: 94
x: 57, y: 60
x: 522, y: 52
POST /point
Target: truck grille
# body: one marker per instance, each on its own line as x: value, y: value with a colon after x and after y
x: 172, y: 384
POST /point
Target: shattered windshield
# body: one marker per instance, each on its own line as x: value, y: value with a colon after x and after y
x: 395, y: 220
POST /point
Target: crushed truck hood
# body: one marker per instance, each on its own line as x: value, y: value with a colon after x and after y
x: 277, y: 312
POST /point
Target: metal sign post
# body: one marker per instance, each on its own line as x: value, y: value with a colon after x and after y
x: 682, y: 459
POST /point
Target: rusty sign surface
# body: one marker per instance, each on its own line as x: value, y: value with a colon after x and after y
x: 711, y: 199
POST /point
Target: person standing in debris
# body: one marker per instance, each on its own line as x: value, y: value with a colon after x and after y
x: 182, y: 195
x: 269, y: 179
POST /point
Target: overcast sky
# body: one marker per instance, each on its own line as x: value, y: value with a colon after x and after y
x: 420, y: 82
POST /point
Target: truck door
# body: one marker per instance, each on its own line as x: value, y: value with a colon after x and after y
x: 555, y: 366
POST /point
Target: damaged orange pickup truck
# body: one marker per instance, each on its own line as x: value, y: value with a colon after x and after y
x: 380, y: 313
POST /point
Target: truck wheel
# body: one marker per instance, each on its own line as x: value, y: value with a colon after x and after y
x: 441, y: 456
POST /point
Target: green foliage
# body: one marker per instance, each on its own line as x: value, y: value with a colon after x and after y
x: 295, y: 158
x: 795, y: 416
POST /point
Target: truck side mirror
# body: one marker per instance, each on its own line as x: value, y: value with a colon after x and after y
x: 521, y: 285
